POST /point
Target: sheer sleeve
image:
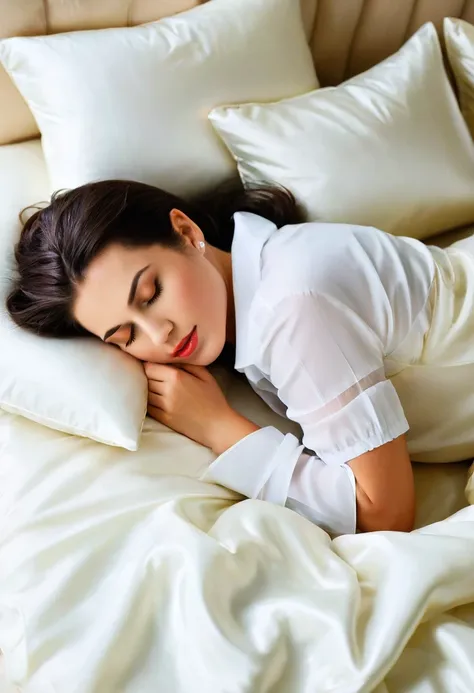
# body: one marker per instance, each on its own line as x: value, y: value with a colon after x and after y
x: 327, y: 366
x: 273, y: 467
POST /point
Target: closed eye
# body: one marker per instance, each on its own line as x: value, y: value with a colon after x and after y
x: 151, y: 301
x: 133, y: 336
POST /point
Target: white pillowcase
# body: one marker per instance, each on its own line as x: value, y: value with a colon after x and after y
x: 78, y: 386
x: 388, y: 148
x: 459, y: 36
x: 133, y: 102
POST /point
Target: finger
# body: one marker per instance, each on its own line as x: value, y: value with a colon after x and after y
x: 158, y: 414
x: 158, y: 371
x: 157, y: 401
x: 156, y: 386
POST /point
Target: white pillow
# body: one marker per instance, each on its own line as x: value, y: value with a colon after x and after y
x: 133, y: 102
x: 77, y: 386
x: 459, y: 36
x: 388, y: 148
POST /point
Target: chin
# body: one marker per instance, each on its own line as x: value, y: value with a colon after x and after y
x: 211, y: 354
x: 205, y: 360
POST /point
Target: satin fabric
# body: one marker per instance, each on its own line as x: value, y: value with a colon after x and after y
x: 459, y: 37
x: 369, y: 151
x: 132, y: 102
x: 122, y: 572
x: 436, y: 391
x: 78, y: 386
x: 345, y: 38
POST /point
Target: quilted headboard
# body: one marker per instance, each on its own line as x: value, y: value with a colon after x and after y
x: 346, y: 36
x: 349, y: 36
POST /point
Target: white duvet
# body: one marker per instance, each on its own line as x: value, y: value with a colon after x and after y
x: 122, y: 573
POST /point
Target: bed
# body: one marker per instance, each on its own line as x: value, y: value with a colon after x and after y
x: 121, y: 571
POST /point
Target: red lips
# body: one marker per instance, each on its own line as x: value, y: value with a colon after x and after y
x: 187, y: 345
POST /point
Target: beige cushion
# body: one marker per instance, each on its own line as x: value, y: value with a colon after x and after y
x: 133, y: 103
x: 350, y: 36
x: 388, y: 148
x: 78, y: 386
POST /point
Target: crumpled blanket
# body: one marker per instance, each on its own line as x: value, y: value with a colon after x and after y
x: 122, y: 573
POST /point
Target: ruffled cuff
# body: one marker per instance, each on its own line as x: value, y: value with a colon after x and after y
x: 268, y: 465
x: 259, y: 466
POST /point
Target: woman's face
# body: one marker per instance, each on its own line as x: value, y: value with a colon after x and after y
x: 158, y: 304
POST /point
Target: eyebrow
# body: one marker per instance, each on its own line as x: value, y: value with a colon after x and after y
x: 134, y: 285
x: 131, y: 298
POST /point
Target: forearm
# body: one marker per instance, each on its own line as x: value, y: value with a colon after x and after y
x: 383, y: 479
x: 229, y: 430
x: 385, y: 489
x: 274, y: 467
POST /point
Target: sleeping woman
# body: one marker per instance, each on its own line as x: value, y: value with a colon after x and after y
x: 364, y: 339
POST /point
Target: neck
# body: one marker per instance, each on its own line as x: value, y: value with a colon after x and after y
x: 223, y: 263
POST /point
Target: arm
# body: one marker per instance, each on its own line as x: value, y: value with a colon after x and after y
x: 385, y: 490
x: 276, y: 468
x: 329, y: 372
x: 270, y: 466
x: 328, y: 367
x: 230, y: 432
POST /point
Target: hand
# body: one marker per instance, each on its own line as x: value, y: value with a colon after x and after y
x: 189, y: 400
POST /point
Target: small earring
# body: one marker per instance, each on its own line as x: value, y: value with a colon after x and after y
x: 202, y: 244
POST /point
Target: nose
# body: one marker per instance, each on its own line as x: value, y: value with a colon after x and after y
x: 158, y: 331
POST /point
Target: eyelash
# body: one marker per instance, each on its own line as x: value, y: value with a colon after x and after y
x: 152, y: 300
x: 156, y: 294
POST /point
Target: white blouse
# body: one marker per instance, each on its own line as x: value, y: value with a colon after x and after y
x: 322, y: 310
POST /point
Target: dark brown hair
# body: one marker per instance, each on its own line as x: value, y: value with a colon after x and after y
x: 59, y: 242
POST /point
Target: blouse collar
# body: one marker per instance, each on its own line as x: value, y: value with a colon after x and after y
x: 251, y: 232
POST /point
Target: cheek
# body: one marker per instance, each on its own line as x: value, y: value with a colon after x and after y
x: 195, y: 295
x: 188, y: 295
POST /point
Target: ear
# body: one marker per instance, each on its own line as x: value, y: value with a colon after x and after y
x: 190, y: 232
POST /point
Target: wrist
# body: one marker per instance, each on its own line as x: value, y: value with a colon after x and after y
x: 229, y: 430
